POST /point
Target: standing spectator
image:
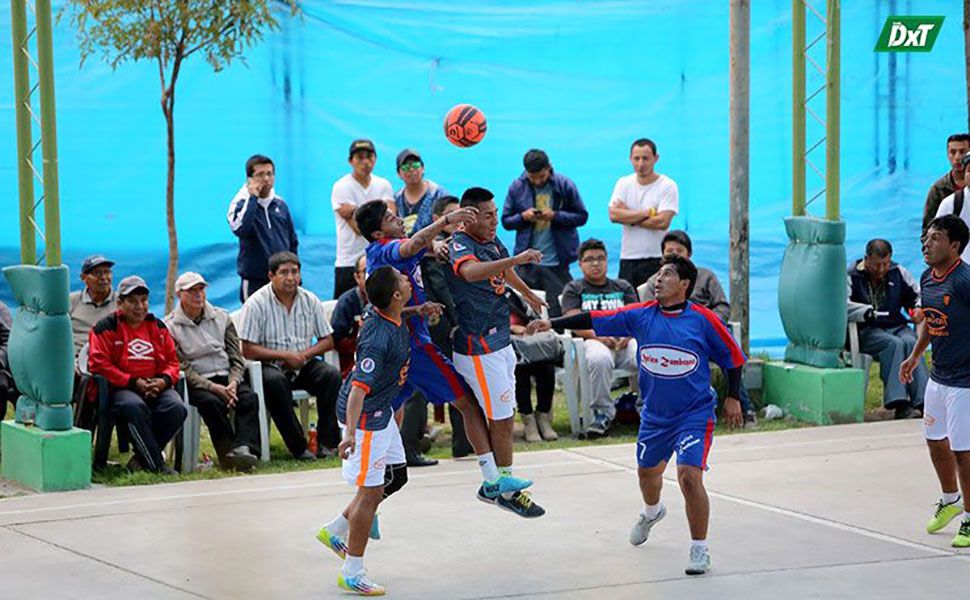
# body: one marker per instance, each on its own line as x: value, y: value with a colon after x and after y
x: 96, y: 301
x: 347, y: 317
x: 545, y: 210
x: 280, y: 322
x: 349, y: 192
x: 415, y: 201
x: 262, y: 222
x: 956, y: 203
x: 212, y: 362
x: 8, y: 389
x: 596, y: 291
x: 644, y: 203
x: 708, y: 293
x: 957, y: 146
x: 879, y: 290
x: 134, y: 351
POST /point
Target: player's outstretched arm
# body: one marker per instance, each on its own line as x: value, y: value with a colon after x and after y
x: 473, y: 270
x: 424, y: 237
x: 535, y: 302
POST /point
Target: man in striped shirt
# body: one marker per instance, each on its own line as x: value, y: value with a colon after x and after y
x: 284, y: 327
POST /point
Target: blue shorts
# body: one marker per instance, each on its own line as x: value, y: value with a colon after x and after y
x: 432, y: 374
x: 690, y: 439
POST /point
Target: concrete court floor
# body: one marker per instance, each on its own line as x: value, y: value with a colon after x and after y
x: 834, y: 512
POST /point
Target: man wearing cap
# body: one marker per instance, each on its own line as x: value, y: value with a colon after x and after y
x: 958, y: 204
x: 262, y: 222
x: 415, y: 201
x: 96, y: 301
x: 349, y: 192
x: 209, y: 353
x: 135, y: 353
x: 545, y: 210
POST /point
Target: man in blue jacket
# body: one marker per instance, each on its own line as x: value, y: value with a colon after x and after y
x: 545, y: 210
x: 262, y: 222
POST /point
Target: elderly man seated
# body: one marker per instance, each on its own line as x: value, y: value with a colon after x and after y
x: 135, y: 353
x: 212, y: 362
x: 96, y: 301
x: 280, y: 323
x: 879, y: 291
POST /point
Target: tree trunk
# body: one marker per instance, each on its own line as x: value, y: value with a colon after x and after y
x: 173, y: 242
x: 966, y: 53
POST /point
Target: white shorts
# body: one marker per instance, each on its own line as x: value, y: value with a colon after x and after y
x: 946, y: 415
x: 492, y: 377
x: 373, y: 451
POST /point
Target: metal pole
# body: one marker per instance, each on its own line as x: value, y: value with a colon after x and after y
x: 832, y: 91
x: 740, y: 51
x: 48, y: 128
x: 798, y: 107
x: 21, y: 89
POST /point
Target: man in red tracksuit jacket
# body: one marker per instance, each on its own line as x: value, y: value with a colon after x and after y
x: 135, y: 353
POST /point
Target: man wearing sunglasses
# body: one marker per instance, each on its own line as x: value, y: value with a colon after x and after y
x: 415, y: 201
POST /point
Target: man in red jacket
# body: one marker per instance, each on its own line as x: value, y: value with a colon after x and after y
x: 135, y: 353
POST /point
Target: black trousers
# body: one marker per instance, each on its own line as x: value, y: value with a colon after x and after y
x: 229, y: 428
x: 544, y: 374
x: 318, y: 379
x: 343, y: 280
x: 551, y: 280
x: 247, y: 287
x: 415, y: 422
x: 151, y: 423
x: 636, y: 271
x: 8, y: 391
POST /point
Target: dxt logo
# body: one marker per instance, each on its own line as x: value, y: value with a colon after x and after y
x: 909, y: 33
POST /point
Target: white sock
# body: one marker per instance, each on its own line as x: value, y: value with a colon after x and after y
x: 651, y: 510
x: 951, y: 498
x: 506, y: 472
x: 339, y: 526
x: 353, y: 565
x: 486, y: 462
x: 693, y: 544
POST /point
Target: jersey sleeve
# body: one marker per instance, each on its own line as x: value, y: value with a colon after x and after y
x: 459, y: 251
x: 617, y: 323
x: 388, y: 253
x: 725, y: 351
x: 371, y: 361
x: 670, y: 198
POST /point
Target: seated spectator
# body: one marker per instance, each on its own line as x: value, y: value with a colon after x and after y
x: 8, y: 389
x: 212, y: 362
x: 535, y: 362
x: 596, y: 291
x: 347, y: 317
x: 135, y: 353
x: 879, y: 290
x: 707, y: 292
x: 96, y: 301
x: 957, y: 202
x: 280, y: 322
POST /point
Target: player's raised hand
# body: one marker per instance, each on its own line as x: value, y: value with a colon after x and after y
x: 439, y: 248
x: 431, y: 309
x: 732, y: 412
x: 528, y: 256
x: 346, y: 446
x: 461, y: 216
x: 538, y: 326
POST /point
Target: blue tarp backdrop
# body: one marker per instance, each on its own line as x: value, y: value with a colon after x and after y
x: 580, y: 80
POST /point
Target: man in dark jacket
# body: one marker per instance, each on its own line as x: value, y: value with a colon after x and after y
x: 262, y: 222
x: 879, y: 290
x: 545, y: 210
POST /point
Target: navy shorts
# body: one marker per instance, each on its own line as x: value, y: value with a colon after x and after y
x: 432, y: 374
x: 690, y: 438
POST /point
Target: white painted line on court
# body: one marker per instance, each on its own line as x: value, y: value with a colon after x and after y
x: 801, y: 516
x: 867, y: 438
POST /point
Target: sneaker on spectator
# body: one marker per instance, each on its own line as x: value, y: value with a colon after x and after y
x: 324, y: 452
x: 241, y: 459
x: 600, y: 427
x: 307, y: 455
x: 699, y: 561
x: 750, y: 420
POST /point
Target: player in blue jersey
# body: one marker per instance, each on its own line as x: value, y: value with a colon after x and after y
x: 482, y: 350
x: 945, y: 312
x: 676, y: 340
x: 431, y: 372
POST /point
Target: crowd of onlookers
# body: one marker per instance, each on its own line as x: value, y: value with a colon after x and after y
x: 284, y: 328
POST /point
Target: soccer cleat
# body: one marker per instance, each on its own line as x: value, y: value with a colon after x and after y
x: 375, y: 529
x: 506, y: 484
x: 337, y: 545
x: 521, y: 504
x: 641, y: 531
x: 962, y: 538
x: 359, y: 584
x: 699, y: 561
x: 943, y: 515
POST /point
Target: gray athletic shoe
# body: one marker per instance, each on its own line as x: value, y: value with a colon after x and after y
x: 699, y: 561
x: 641, y: 531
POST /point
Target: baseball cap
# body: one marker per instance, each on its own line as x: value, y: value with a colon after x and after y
x: 95, y: 260
x: 535, y: 160
x: 407, y: 153
x: 132, y: 284
x: 189, y: 280
x: 361, y: 144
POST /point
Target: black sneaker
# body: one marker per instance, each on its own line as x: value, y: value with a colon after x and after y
x: 521, y: 504
x: 905, y: 412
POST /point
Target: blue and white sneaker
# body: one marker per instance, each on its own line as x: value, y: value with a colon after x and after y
x: 359, y: 584
x: 506, y: 484
x: 334, y: 542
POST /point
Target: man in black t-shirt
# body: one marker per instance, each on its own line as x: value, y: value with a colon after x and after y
x: 596, y: 291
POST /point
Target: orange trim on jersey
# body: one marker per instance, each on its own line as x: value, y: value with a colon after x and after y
x: 483, y: 384
x: 948, y: 271
x: 484, y: 345
x: 397, y: 322
x: 461, y: 261
x: 364, y: 458
x: 361, y: 385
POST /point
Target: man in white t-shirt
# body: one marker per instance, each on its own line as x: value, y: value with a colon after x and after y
x: 349, y: 192
x: 958, y: 203
x: 644, y: 203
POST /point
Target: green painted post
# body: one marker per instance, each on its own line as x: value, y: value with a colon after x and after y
x: 798, y: 107
x: 21, y: 88
x: 832, y: 76
x: 48, y: 128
